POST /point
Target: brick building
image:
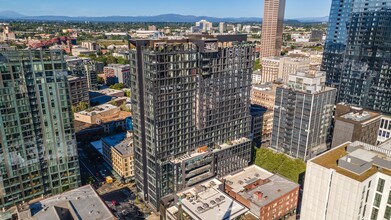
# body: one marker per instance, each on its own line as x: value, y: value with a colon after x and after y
x: 266, y: 195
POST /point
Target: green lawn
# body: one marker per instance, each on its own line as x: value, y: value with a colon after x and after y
x: 280, y: 163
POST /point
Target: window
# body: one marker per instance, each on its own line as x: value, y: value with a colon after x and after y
x: 377, y: 200
x: 389, y: 198
x: 374, y: 214
x: 380, y: 185
x: 387, y: 213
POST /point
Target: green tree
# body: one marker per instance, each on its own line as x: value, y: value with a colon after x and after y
x: 117, y: 86
x: 123, y: 61
x: 124, y: 107
x: 111, y: 60
x: 257, y: 64
x: 90, y: 180
x: 81, y: 106
x: 100, y: 80
x: 127, y: 93
x: 280, y: 163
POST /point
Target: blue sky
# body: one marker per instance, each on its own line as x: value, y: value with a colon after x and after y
x: 215, y: 8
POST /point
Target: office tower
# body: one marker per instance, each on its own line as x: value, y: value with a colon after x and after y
x: 355, y: 124
x: 357, y: 53
x: 302, y: 115
x: 222, y: 27
x: 351, y: 181
x: 272, y: 28
x: 190, y: 105
x: 38, y: 147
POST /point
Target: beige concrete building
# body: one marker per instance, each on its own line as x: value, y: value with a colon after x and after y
x: 267, y: 127
x: 263, y: 95
x: 109, y: 116
x: 272, y: 28
x: 117, y: 151
x: 271, y: 68
x: 95, y: 114
x: 291, y: 65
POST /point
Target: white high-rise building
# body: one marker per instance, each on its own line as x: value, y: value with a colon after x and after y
x: 222, y: 27
x: 349, y: 182
x: 204, y: 25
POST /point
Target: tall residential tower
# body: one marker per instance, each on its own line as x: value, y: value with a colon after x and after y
x: 190, y: 103
x: 37, y: 141
x: 357, y: 54
x: 272, y: 28
x: 302, y: 115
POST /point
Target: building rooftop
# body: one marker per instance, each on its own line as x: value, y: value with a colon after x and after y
x: 97, y: 145
x: 357, y: 160
x: 246, y: 176
x: 229, y: 144
x: 80, y: 203
x: 360, y: 116
x: 122, y: 115
x: 259, y: 186
x: 106, y: 91
x: 205, y: 201
x: 98, y: 109
x: 123, y: 143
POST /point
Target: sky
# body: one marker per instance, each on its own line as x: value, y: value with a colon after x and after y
x: 213, y: 8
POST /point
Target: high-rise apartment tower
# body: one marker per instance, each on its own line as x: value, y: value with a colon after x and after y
x: 357, y: 54
x: 190, y: 103
x: 37, y: 141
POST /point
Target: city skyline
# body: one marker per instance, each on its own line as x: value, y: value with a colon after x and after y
x: 217, y: 8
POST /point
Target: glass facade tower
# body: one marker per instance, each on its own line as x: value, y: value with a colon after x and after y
x: 38, y: 150
x: 357, y: 55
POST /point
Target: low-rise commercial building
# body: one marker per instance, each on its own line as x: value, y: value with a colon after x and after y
x: 81, y: 203
x: 205, y: 201
x: 108, y: 116
x: 117, y: 151
x: 266, y: 195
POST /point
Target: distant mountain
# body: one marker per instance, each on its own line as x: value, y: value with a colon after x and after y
x: 158, y: 18
x: 314, y: 19
x: 10, y: 14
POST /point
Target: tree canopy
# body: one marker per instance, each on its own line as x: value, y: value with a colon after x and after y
x: 280, y: 163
